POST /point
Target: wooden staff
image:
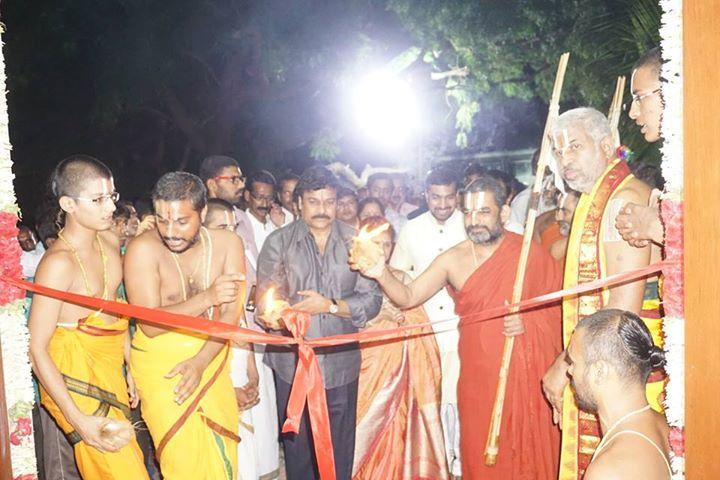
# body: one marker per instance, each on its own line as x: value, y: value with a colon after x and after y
x: 491, y: 447
x: 615, y: 109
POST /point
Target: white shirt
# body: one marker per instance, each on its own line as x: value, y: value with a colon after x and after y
x: 418, y: 244
x: 397, y: 221
x: 519, y: 209
x: 30, y: 260
x: 260, y: 230
x: 289, y: 217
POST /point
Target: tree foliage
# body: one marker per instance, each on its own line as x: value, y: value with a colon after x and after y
x: 510, y: 49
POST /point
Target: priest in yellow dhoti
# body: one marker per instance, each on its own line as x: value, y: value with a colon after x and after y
x: 205, y: 424
x: 78, y: 354
x: 586, y: 158
x: 183, y: 379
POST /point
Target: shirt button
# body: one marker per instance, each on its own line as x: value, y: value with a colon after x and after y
x: 441, y: 231
x: 440, y: 249
x: 441, y: 307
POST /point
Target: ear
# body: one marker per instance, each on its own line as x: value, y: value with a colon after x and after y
x: 607, y: 145
x: 67, y: 204
x: 246, y: 195
x: 599, y: 371
x: 203, y: 214
x: 505, y: 213
x: 211, y: 188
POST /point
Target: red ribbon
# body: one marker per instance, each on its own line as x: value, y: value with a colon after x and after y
x: 309, y: 375
x: 308, y: 383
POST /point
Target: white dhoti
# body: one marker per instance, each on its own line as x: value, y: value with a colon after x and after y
x: 259, y: 450
x: 450, y: 363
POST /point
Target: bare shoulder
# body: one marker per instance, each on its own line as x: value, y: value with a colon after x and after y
x: 454, y: 254
x: 628, y: 457
x: 603, y: 468
x: 144, y: 247
x: 57, y: 268
x: 634, y: 191
x: 225, y: 239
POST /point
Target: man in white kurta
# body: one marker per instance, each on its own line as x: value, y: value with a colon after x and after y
x: 258, y: 450
x: 419, y: 243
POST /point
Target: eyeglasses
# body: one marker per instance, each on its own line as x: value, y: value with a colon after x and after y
x: 639, y: 98
x: 234, y: 179
x: 260, y: 198
x: 113, y: 197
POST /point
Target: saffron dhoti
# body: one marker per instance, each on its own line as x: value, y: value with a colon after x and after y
x: 196, y: 439
x: 90, y: 358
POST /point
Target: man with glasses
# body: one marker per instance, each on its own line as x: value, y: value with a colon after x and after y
x: 640, y: 224
x: 77, y: 353
x: 223, y: 178
x: 254, y: 226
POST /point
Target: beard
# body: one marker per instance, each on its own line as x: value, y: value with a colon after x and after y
x: 179, y: 244
x: 584, y: 398
x: 484, y: 235
x: 564, y: 228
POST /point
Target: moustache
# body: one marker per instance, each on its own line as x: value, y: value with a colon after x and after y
x: 321, y: 217
x: 173, y: 239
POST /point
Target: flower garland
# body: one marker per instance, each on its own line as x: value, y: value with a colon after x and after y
x: 19, y: 394
x: 671, y: 32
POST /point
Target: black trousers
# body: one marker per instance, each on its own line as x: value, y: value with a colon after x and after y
x: 300, y: 463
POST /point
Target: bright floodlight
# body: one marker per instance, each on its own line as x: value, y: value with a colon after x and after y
x: 385, y: 108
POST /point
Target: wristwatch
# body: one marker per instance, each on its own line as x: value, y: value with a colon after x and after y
x: 333, y: 307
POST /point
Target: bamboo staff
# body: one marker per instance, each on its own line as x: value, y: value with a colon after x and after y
x: 615, y: 109
x: 491, y: 447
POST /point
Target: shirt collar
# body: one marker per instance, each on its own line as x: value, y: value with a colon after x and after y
x: 450, y: 219
x: 303, y: 231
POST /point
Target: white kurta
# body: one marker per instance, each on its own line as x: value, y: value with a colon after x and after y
x: 259, y: 449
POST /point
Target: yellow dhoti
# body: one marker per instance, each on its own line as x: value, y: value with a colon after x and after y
x: 90, y: 359
x: 197, y: 439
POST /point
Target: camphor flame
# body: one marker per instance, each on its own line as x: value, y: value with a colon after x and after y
x: 368, y: 234
x: 271, y: 305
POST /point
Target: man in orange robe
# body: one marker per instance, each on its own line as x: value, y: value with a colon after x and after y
x: 482, y: 271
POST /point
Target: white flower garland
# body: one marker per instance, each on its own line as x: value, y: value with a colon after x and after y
x: 671, y: 32
x: 19, y: 393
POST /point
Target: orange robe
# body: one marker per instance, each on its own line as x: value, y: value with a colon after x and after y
x: 529, y: 442
x: 399, y: 434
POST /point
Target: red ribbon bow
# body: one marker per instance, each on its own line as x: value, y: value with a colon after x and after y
x: 308, y: 387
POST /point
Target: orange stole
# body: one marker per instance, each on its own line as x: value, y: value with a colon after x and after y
x: 399, y: 434
x: 585, y: 263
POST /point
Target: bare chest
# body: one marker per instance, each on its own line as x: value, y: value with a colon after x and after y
x: 183, y: 278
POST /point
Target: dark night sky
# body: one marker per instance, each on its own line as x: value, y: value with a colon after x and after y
x: 155, y: 89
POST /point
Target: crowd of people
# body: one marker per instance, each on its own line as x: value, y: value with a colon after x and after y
x: 131, y: 399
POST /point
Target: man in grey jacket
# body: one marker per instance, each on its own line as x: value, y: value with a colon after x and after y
x: 307, y: 263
